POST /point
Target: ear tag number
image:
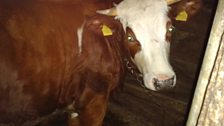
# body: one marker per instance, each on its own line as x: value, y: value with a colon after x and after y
x: 106, y: 31
x: 182, y: 16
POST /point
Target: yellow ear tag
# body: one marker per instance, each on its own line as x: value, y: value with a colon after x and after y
x: 106, y: 31
x: 182, y: 16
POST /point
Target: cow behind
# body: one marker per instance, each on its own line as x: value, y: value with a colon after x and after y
x: 53, y: 56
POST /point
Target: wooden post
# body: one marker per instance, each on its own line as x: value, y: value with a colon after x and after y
x: 208, y: 103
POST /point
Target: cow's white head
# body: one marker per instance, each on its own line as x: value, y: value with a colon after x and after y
x: 148, y: 31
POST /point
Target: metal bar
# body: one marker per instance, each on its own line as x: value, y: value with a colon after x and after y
x: 208, y: 64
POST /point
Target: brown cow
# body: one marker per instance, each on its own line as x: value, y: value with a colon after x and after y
x: 53, y: 56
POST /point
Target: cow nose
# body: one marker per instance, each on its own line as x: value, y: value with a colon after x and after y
x: 164, y: 82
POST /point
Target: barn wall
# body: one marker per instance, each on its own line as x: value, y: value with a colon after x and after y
x: 208, y: 103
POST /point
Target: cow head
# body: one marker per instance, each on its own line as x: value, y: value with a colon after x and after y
x: 148, y: 33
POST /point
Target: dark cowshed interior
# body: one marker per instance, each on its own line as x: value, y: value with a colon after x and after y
x: 134, y: 105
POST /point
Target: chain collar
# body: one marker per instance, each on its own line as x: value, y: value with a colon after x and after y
x: 134, y: 71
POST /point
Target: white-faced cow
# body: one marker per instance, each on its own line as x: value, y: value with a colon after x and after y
x: 59, y: 54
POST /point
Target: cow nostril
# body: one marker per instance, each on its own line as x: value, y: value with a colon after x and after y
x: 157, y: 84
x: 169, y: 82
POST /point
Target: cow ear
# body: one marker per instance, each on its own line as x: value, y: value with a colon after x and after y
x: 184, y: 10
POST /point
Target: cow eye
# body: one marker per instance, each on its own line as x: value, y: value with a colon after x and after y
x: 171, y: 28
x: 131, y: 38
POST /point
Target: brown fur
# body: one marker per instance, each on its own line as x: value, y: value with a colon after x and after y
x: 134, y: 46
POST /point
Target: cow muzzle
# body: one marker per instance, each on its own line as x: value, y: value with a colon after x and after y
x: 164, y: 83
x: 160, y: 82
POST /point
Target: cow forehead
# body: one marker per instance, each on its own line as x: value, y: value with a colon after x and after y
x: 150, y: 29
x: 130, y: 10
x: 144, y: 16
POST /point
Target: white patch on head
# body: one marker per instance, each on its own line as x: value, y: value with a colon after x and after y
x: 79, y: 34
x: 148, y: 19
